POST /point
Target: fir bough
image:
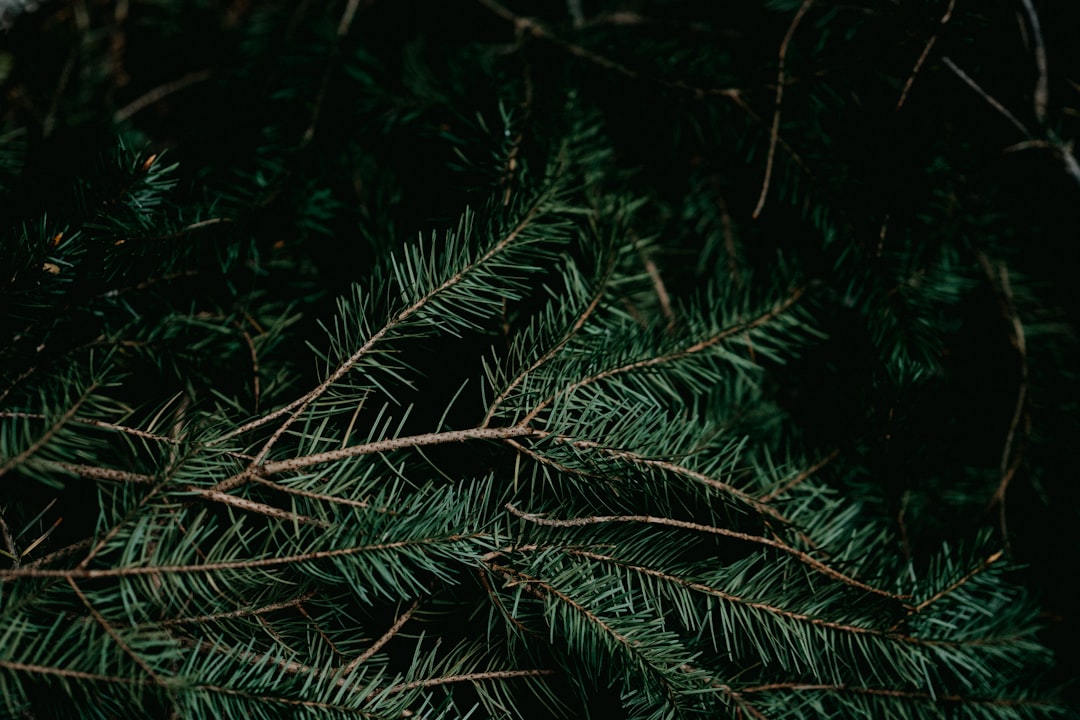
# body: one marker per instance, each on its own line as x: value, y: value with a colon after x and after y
x: 440, y: 360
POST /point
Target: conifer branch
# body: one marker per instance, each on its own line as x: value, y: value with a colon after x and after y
x: 257, y: 507
x: 44, y: 439
x: 381, y: 446
x: 934, y: 698
x: 799, y: 555
x: 674, y: 355
x: 385, y: 638
x: 727, y: 597
x: 761, y: 506
x: 111, y: 632
x: 321, y: 497
x: 574, y: 329
x: 135, y: 432
x: 297, y: 407
x: 469, y: 677
x: 97, y: 473
x: 69, y: 674
x: 241, y: 612
x: 981, y: 567
x: 543, y: 590
x: 82, y: 573
x: 802, y: 476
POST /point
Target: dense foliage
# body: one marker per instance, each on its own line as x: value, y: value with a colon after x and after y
x: 608, y: 358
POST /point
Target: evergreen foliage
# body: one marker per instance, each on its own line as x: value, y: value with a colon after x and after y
x: 515, y: 359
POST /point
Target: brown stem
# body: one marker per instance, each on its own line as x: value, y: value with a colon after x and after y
x: 925, y: 53
x: 774, y: 131
x: 130, y: 571
x: 699, y: 346
x: 799, y: 555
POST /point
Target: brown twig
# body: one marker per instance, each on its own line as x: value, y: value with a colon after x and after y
x: 925, y: 53
x: 774, y: 131
x: 469, y: 677
x: 111, y: 631
x: 295, y: 408
x: 80, y: 573
x: 385, y: 638
x: 400, y: 443
x: 990, y: 99
x: 228, y: 615
x: 799, y: 555
x: 1041, y: 95
x: 1009, y: 464
x: 699, y: 346
x: 802, y: 476
x: 48, y: 435
x: 161, y: 92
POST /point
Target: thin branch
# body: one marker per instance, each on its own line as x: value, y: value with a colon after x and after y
x: 774, y: 131
x: 528, y: 26
x: 160, y: 93
x: 386, y: 637
x: 242, y: 612
x: 98, y: 473
x: 470, y: 677
x: 80, y: 573
x: 999, y: 277
x: 902, y: 694
x: 333, y: 499
x: 582, y: 318
x: 297, y: 407
x: 799, y: 555
x: 1042, y: 88
x: 68, y: 673
x: 400, y: 443
x: 960, y: 582
x: 661, y: 290
x: 543, y: 589
x: 925, y: 53
x: 257, y: 507
x: 48, y: 435
x: 986, y: 96
x: 801, y: 477
x: 9, y: 542
x: 735, y: 599
x: 699, y: 346
x: 759, y: 505
x: 114, y: 635
x: 95, y: 423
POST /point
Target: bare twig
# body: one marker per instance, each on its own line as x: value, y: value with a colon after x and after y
x: 990, y: 99
x: 161, y: 92
x: 774, y: 131
x: 924, y: 54
x: 1042, y: 87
